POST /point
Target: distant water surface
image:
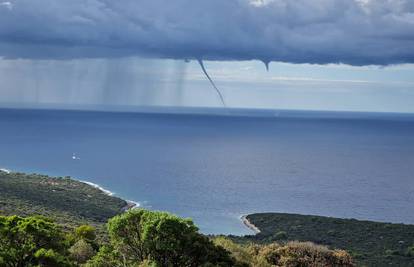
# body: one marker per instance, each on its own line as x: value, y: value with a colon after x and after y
x: 216, y: 168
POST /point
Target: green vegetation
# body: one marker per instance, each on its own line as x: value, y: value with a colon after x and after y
x: 64, y: 200
x: 291, y: 254
x: 81, y: 251
x: 146, y: 238
x: 31, y: 241
x: 63, y: 222
x: 370, y: 243
x: 162, y: 239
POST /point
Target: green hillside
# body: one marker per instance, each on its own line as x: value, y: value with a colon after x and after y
x: 370, y: 243
x: 64, y: 200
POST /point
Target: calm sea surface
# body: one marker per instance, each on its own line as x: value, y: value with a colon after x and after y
x: 216, y: 168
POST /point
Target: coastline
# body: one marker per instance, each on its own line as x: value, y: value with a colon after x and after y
x: 249, y: 225
x: 130, y: 204
x: 107, y: 192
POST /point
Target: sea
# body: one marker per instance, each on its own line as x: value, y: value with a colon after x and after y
x: 214, y: 168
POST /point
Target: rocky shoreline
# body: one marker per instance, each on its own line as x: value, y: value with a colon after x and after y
x: 250, y: 225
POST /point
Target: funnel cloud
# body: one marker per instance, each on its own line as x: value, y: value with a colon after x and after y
x: 203, y: 68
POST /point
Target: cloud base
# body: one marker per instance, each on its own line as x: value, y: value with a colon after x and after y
x: 354, y: 32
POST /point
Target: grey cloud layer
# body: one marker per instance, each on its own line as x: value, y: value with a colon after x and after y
x: 356, y: 32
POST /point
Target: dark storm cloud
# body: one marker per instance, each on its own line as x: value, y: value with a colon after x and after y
x: 356, y: 32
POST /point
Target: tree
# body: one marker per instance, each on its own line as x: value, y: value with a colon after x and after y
x: 165, y: 239
x: 30, y: 241
x: 126, y: 235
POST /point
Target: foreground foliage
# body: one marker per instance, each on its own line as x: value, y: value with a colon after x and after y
x: 31, y: 241
x: 146, y: 238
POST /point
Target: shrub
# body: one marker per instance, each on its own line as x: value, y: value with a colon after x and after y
x: 293, y: 254
x: 49, y: 258
x: 81, y: 251
x: 242, y: 254
x: 309, y: 254
x: 281, y: 235
x: 85, y: 232
x: 106, y: 257
x: 270, y: 253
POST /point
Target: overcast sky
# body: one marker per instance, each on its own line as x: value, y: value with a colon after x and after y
x: 324, y: 54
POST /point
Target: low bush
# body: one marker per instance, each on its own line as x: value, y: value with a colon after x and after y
x: 292, y: 254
